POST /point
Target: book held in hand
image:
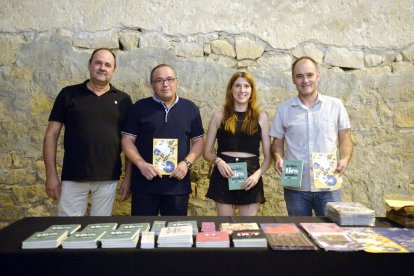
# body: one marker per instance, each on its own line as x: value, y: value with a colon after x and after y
x: 292, y: 173
x: 165, y: 155
x: 239, y: 175
x: 323, y: 166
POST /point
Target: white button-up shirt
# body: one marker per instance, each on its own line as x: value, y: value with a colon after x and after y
x: 309, y: 130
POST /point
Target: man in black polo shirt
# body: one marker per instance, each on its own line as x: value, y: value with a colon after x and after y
x: 92, y: 113
x: 162, y: 118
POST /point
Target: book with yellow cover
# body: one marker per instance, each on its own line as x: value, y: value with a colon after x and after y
x: 323, y: 167
x: 165, y: 155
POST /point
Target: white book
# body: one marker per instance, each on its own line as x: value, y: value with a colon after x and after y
x: 148, y: 240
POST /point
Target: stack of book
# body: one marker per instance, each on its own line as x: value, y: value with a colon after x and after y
x: 143, y: 227
x: 120, y: 238
x: 70, y: 227
x: 45, y: 239
x: 89, y: 237
x: 147, y: 240
x: 157, y: 225
x: 350, y: 213
x: 330, y: 236
x: 401, y: 211
x: 208, y: 226
x: 249, y: 238
x: 213, y: 239
x: 84, y: 239
x: 193, y: 223
x: 286, y: 236
x: 180, y: 236
x: 230, y: 227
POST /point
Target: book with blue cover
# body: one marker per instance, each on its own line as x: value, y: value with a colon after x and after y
x: 165, y: 155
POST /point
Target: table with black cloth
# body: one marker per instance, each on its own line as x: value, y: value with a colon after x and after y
x: 187, y: 261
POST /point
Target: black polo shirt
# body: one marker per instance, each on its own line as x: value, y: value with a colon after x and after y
x: 92, y: 132
x: 149, y: 118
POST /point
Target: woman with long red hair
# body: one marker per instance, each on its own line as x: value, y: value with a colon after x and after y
x: 239, y: 128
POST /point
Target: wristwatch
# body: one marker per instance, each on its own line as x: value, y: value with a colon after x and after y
x: 189, y: 165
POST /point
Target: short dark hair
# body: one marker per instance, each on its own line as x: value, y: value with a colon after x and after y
x: 105, y: 49
x: 302, y: 58
x: 159, y: 66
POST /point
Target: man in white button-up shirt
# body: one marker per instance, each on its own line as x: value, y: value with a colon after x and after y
x: 310, y: 123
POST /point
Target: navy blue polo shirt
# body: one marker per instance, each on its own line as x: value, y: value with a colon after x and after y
x: 92, y: 132
x: 148, y: 119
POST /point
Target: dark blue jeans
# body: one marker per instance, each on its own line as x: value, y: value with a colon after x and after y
x: 301, y: 203
x: 154, y: 205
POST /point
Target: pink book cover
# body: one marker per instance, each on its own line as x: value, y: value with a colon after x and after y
x: 280, y: 228
x: 212, y: 236
x: 315, y: 228
x: 208, y: 226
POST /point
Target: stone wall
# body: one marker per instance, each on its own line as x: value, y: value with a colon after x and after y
x: 365, y: 48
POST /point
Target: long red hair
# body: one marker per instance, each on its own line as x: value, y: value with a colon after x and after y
x: 251, y: 119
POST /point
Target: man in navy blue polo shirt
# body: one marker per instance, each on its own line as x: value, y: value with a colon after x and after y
x: 165, y: 117
x: 92, y: 113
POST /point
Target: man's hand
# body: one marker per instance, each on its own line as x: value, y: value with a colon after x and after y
x: 181, y: 171
x: 53, y: 187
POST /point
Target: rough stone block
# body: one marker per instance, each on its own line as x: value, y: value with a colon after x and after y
x: 343, y: 57
x: 222, y: 47
x: 155, y: 40
x: 372, y: 60
x: 408, y: 52
x: 188, y: 49
x: 108, y: 39
x: 404, y: 114
x: 310, y: 50
x: 129, y: 40
x: 247, y: 48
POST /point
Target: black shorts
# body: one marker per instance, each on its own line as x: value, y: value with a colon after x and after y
x: 218, y: 189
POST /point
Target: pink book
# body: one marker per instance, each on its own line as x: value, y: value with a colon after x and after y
x: 208, y: 226
x: 280, y: 228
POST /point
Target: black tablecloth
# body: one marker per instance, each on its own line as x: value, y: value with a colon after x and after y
x: 186, y: 261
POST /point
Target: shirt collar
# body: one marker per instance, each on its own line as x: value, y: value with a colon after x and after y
x: 111, y: 87
x: 158, y: 100
x: 296, y: 101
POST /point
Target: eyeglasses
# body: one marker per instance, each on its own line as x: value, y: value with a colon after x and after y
x: 161, y: 81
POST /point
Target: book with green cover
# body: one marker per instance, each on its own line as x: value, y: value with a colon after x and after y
x: 45, y: 239
x: 165, y: 155
x: 292, y: 173
x: 70, y: 227
x: 143, y: 227
x: 239, y: 175
x: 97, y: 226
